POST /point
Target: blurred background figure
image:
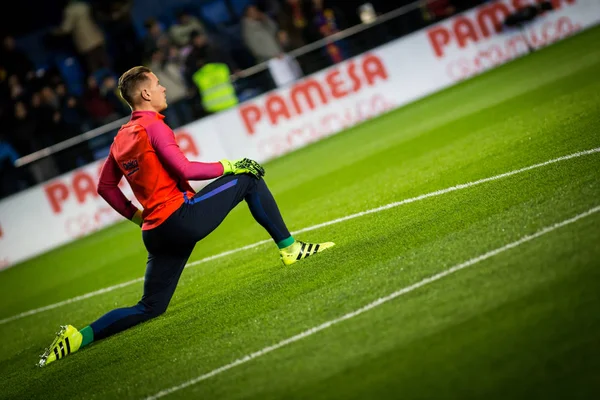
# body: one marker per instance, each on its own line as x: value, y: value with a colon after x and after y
x: 156, y: 38
x: 87, y: 36
x: 293, y: 19
x: 117, y: 22
x: 14, y: 61
x: 328, y: 20
x: 181, y: 31
x: 260, y: 33
x: 10, y: 181
x: 209, y: 70
x: 435, y: 10
x: 169, y: 71
x: 98, y: 107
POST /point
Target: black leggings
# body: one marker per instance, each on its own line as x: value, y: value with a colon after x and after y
x: 170, y: 244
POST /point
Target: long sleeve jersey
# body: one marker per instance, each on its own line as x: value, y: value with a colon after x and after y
x: 146, y: 153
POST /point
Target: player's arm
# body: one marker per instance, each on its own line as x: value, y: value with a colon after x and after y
x: 108, y: 189
x: 163, y: 141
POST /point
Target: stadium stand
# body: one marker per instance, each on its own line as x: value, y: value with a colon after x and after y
x: 58, y: 75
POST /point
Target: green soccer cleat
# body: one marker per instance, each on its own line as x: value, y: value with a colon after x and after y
x: 67, y: 341
x: 300, y: 250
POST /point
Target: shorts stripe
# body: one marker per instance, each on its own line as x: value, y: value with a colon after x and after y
x: 211, y: 193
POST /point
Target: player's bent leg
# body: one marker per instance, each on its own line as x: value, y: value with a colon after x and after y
x: 210, y: 206
x: 266, y: 212
x: 162, y: 275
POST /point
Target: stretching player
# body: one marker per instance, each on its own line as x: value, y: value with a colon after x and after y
x: 174, y: 216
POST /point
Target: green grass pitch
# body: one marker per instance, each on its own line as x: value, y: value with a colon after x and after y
x: 522, y: 324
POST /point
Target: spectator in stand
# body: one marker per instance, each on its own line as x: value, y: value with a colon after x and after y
x: 15, y: 88
x: 351, y: 8
x: 56, y: 128
x: 294, y: 20
x: 181, y: 32
x: 328, y: 20
x: 48, y: 117
x: 87, y: 37
x: 27, y: 135
x: 72, y: 112
x: 75, y: 121
x: 9, y: 178
x: 15, y: 61
x: 156, y: 38
x: 6, y: 104
x: 24, y: 130
x: 110, y: 91
x: 51, y: 107
x: 50, y: 98
x: 284, y: 41
x: 270, y: 7
x: 259, y: 33
x: 98, y: 107
x: 117, y: 19
x: 204, y: 52
x: 436, y: 10
x: 168, y: 70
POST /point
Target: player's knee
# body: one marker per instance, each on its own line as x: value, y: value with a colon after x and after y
x: 249, y: 178
x: 157, y: 310
x: 154, y: 310
x: 248, y: 183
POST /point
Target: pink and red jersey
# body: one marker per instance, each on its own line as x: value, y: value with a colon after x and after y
x: 146, y: 153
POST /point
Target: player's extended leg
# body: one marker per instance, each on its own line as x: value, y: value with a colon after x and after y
x: 162, y: 275
x: 209, y: 207
x: 170, y: 246
x: 163, y: 269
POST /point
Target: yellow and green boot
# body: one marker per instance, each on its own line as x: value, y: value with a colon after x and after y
x: 300, y: 250
x: 68, y: 340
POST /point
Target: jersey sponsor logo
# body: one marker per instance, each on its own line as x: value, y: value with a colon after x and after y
x: 131, y: 166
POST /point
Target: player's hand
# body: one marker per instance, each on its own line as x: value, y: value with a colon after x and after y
x: 137, y: 218
x: 243, y: 166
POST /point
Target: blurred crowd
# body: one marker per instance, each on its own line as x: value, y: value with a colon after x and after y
x: 40, y: 107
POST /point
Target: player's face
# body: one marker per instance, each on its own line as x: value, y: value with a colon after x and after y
x: 158, y: 94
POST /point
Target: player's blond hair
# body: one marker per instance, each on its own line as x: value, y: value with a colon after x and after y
x: 130, y: 81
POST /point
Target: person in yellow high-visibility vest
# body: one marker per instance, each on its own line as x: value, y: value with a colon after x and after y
x: 215, y: 87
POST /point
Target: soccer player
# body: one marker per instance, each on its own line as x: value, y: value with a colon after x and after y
x: 174, y: 217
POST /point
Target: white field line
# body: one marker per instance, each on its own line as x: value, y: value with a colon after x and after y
x: 310, y: 228
x: 374, y: 304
